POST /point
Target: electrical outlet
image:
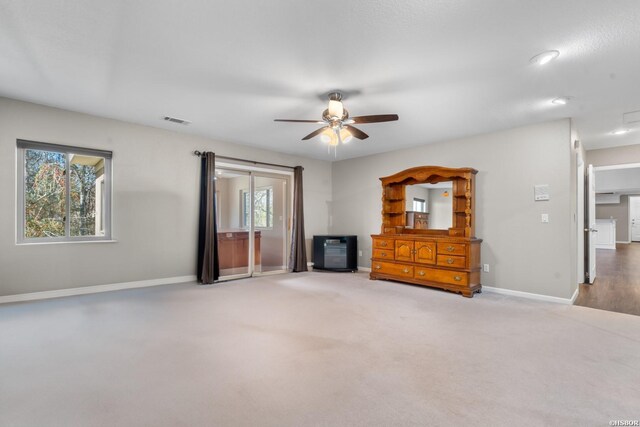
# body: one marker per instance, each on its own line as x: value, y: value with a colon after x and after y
x: 359, y: 253
x: 485, y: 268
x: 544, y: 218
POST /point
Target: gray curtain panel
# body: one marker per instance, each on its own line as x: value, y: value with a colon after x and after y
x: 298, y: 256
x: 208, y: 265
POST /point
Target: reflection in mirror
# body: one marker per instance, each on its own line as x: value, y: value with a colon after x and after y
x: 429, y: 206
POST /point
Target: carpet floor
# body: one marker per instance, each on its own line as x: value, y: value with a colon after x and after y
x: 321, y: 349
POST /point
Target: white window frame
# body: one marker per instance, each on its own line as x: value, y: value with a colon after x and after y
x: 23, y: 145
x: 419, y: 205
x: 243, y: 213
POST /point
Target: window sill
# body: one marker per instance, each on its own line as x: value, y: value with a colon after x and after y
x: 65, y: 242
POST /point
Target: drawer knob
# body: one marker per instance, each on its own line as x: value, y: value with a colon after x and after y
x: 421, y: 273
x: 378, y: 267
x: 406, y: 270
x: 383, y: 254
x: 450, y: 248
x: 449, y: 260
x: 457, y: 278
x: 383, y: 243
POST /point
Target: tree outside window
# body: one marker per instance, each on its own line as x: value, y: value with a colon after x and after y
x: 64, y: 195
x: 263, y: 208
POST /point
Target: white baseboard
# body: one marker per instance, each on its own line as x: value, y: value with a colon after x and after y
x: 95, y: 289
x: 366, y: 269
x: 607, y: 247
x: 625, y: 242
x: 567, y: 301
x: 575, y: 294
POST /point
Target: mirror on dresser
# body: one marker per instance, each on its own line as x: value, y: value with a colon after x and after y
x: 429, y: 206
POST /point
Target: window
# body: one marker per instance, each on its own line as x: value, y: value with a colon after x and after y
x: 64, y: 193
x: 263, y: 206
x: 419, y: 205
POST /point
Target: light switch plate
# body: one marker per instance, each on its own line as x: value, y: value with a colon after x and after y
x: 544, y: 218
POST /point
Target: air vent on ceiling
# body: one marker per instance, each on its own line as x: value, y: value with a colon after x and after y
x: 177, y: 120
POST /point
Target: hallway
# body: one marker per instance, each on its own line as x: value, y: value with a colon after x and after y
x: 617, y: 284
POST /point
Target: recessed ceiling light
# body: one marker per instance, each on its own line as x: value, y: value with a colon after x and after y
x: 561, y: 100
x: 544, y: 57
x: 620, y: 132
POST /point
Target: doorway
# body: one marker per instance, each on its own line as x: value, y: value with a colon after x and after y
x: 253, y: 214
x: 611, y: 240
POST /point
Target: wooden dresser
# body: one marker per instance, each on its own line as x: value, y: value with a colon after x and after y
x: 419, y: 220
x: 447, y: 259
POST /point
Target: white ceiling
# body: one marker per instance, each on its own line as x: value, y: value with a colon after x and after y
x: 449, y: 68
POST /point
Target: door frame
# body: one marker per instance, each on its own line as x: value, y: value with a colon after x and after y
x: 629, y: 197
x: 251, y: 169
x: 580, y: 217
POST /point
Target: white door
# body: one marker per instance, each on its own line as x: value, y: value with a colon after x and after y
x: 591, y: 229
x: 634, y: 208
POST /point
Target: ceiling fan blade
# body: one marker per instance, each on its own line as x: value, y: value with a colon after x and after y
x: 314, y: 133
x: 376, y: 118
x: 357, y: 133
x: 299, y: 121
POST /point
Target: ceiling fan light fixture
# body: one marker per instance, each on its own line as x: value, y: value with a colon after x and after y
x: 336, y: 109
x: 327, y: 135
x: 345, y: 135
x: 545, y: 57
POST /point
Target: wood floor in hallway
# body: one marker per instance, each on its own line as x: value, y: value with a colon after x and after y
x: 617, y: 284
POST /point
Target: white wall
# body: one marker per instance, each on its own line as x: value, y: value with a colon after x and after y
x: 440, y: 209
x: 155, y: 200
x: 418, y: 192
x: 524, y: 254
x: 618, y: 180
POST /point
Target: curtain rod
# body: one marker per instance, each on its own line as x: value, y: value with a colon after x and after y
x: 199, y: 154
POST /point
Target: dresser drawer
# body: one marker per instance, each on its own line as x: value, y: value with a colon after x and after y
x: 443, y: 276
x: 452, y: 261
x: 392, y: 269
x: 452, y: 248
x: 383, y: 253
x: 382, y: 243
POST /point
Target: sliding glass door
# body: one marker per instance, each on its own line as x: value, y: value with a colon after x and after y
x: 253, y: 211
x: 270, y: 218
x: 234, y: 246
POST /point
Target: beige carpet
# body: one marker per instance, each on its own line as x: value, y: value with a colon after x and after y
x: 314, y: 349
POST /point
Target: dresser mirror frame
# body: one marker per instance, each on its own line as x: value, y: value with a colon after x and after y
x: 463, y: 200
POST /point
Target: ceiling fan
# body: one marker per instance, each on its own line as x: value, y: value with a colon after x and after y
x: 338, y: 127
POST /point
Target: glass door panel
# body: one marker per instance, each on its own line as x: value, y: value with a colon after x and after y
x: 271, y: 219
x: 233, y: 222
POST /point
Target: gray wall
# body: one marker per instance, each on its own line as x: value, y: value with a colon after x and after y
x: 620, y: 212
x: 155, y: 200
x: 524, y: 254
x: 614, y: 156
